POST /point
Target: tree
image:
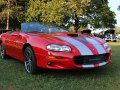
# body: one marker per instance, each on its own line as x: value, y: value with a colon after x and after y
x: 23, y: 8
x: 75, y: 12
x: 58, y: 12
x: 9, y: 9
x: 98, y: 14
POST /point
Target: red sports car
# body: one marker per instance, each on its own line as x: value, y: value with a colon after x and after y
x: 39, y: 45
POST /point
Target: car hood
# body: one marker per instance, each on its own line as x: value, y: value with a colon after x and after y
x: 84, y: 44
x: 68, y: 37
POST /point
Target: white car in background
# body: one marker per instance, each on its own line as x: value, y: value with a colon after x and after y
x: 110, y: 35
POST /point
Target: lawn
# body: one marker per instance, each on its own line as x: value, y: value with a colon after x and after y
x: 14, y: 77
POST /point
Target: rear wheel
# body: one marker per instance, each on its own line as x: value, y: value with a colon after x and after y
x: 3, y: 52
x: 30, y: 61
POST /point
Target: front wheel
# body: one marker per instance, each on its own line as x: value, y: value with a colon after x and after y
x: 30, y: 61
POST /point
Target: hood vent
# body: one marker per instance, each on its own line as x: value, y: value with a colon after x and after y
x: 73, y: 35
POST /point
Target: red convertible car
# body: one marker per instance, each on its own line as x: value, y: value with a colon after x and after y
x: 39, y: 45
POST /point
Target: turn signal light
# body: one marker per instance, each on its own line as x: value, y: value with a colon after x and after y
x: 54, y: 57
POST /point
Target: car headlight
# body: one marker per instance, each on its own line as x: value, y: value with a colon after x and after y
x: 106, y: 46
x: 59, y: 48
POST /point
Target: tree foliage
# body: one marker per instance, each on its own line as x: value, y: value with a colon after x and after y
x: 99, y: 14
x: 75, y: 12
x: 56, y: 11
x: 12, y: 11
x: 68, y: 13
x: 10, y: 7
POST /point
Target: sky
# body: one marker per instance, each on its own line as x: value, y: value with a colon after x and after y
x: 113, y: 4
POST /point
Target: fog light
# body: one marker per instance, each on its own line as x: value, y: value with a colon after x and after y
x: 49, y: 63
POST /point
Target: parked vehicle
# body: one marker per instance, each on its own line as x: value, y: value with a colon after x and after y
x: 38, y: 45
x: 110, y: 35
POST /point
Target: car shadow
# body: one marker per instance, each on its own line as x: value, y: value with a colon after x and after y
x: 99, y: 72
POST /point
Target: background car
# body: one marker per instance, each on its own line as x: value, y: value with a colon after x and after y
x: 110, y: 35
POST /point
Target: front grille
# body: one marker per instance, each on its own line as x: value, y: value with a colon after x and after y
x: 91, y: 59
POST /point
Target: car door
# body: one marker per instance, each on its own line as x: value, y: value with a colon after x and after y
x: 14, y: 43
x: 7, y: 42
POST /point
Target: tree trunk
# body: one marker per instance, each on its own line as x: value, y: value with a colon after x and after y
x: 8, y: 15
x: 8, y: 18
x: 76, y: 24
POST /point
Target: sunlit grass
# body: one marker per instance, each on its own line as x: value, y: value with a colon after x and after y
x: 14, y: 77
x: 114, y: 43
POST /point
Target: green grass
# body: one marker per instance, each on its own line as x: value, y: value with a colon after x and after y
x: 14, y: 77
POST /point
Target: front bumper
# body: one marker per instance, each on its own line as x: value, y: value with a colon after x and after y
x: 68, y: 62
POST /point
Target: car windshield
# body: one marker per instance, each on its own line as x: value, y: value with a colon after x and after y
x: 36, y: 27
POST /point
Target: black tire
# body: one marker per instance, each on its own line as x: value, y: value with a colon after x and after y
x: 3, y: 52
x: 30, y: 61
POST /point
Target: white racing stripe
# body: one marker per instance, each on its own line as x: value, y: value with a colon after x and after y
x: 88, y: 66
x: 97, y: 45
x: 84, y: 50
x: 103, y: 63
x: 92, y: 65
